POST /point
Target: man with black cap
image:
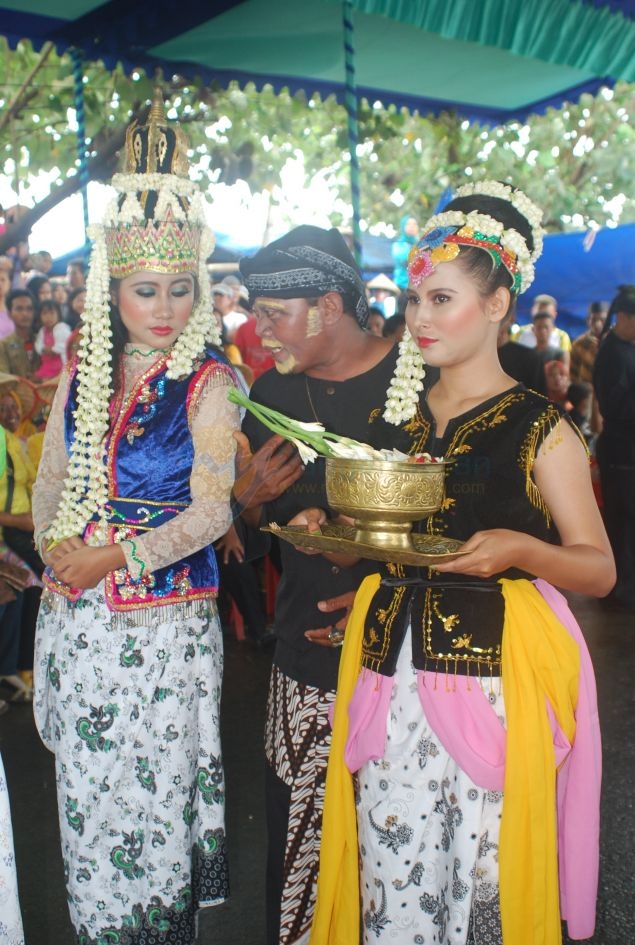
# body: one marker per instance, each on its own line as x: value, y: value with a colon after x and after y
x: 310, y: 305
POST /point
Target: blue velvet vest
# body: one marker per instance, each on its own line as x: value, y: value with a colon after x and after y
x: 149, y: 456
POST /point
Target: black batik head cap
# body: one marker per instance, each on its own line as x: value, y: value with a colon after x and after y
x: 306, y: 263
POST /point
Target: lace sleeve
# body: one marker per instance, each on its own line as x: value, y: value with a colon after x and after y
x: 209, y: 515
x: 52, y: 469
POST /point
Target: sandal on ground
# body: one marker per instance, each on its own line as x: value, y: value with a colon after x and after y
x: 21, y: 692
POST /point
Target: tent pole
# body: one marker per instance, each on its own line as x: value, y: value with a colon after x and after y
x: 351, y: 112
x: 78, y: 80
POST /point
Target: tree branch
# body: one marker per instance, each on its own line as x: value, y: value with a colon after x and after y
x: 99, y: 167
x: 19, y: 100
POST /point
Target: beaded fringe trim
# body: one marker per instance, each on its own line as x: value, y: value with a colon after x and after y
x: 148, y: 616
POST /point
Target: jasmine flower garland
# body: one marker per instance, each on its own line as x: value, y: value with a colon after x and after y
x: 85, y: 490
x: 406, y: 383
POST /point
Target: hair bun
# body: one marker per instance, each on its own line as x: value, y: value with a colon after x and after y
x: 518, y: 199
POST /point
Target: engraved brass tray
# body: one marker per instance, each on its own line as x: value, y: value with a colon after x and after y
x: 428, y: 549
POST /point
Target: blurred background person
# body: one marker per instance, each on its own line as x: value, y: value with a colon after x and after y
x: 76, y: 273
x: 394, y: 327
x: 520, y: 362
x: 248, y: 342
x: 17, y: 548
x: 614, y: 383
x: 40, y: 264
x: 557, y: 381
x: 223, y: 299
x: 60, y: 294
x: 6, y: 270
x: 376, y: 321
x: 40, y: 287
x: 382, y: 294
x: 579, y: 396
x: 408, y: 235
x: 76, y: 306
x: 17, y: 352
x: 585, y: 348
x: 545, y: 304
x: 545, y: 350
x: 51, y: 341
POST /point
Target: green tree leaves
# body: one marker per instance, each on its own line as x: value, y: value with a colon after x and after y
x: 575, y: 161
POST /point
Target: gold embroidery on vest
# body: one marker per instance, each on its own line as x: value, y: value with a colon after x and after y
x: 419, y: 429
x: 481, y: 656
x: 373, y: 659
x: 449, y: 622
x: 541, y: 428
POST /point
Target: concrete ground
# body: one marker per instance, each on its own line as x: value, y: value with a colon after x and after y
x: 30, y: 775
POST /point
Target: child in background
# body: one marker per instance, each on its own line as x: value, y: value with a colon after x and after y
x: 557, y: 381
x: 50, y: 342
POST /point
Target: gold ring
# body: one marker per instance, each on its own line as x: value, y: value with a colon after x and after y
x: 336, y: 637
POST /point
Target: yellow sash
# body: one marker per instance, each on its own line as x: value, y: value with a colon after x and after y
x: 540, y: 659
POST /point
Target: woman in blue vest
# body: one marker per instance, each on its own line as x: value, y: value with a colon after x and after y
x: 132, y: 491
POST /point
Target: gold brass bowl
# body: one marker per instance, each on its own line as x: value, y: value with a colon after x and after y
x: 384, y: 497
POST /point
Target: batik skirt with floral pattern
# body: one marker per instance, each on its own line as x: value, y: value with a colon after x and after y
x: 131, y: 713
x: 428, y: 836
x: 11, y: 932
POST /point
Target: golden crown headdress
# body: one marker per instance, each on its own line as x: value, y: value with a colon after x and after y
x: 154, y: 223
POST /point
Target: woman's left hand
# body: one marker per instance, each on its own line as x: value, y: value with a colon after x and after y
x: 86, y: 567
x: 230, y: 544
x: 487, y: 553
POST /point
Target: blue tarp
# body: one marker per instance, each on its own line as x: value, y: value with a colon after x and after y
x: 579, y: 268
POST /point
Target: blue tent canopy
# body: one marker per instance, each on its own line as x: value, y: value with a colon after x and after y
x: 488, y: 59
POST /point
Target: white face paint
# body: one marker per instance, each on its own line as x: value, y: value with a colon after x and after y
x: 283, y: 326
x: 314, y: 324
x: 286, y: 366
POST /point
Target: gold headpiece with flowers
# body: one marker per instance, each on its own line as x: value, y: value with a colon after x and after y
x: 444, y: 235
x: 156, y: 222
x: 446, y: 232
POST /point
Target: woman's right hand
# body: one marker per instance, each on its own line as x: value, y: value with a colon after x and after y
x: 264, y: 475
x: 61, y: 549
